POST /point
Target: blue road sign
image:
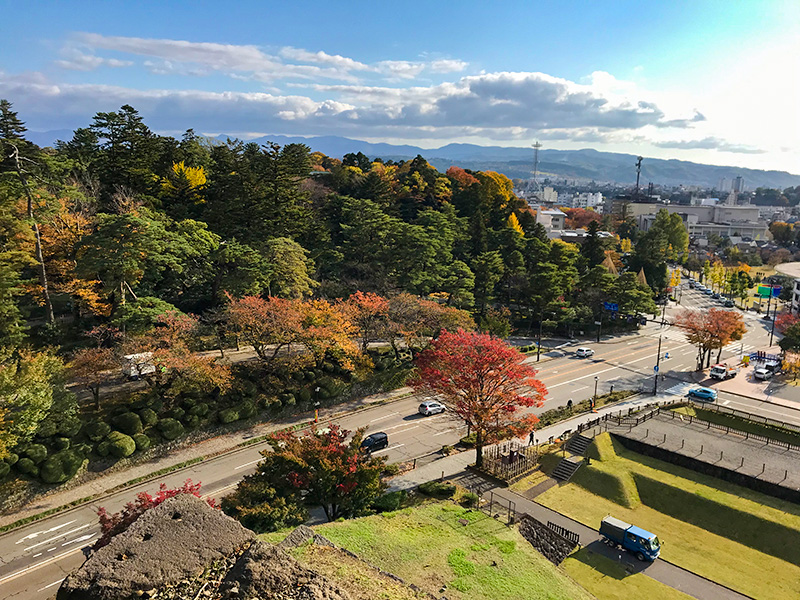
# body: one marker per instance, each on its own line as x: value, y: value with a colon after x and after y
x: 612, y: 306
x: 655, y: 368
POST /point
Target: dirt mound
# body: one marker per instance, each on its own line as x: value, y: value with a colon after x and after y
x: 265, y: 571
x: 174, y: 541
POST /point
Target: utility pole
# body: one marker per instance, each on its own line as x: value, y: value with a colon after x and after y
x: 658, y: 361
x: 772, y: 331
x: 539, y: 343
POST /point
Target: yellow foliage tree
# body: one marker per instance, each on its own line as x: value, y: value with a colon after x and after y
x: 625, y: 246
x: 513, y: 223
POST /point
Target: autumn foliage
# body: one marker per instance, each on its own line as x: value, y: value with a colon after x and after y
x: 484, y: 381
x: 112, y: 524
x: 711, y: 330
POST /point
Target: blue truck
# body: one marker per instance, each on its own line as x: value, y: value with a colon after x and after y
x: 642, y: 544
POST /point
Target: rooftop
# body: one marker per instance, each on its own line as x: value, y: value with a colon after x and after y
x: 792, y: 269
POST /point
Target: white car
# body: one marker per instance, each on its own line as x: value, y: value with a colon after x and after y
x: 431, y: 407
x: 584, y: 352
x: 763, y: 374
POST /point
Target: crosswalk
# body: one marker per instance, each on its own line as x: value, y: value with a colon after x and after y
x: 681, y: 389
x: 739, y: 348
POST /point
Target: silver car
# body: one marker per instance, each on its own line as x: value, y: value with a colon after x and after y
x: 431, y: 407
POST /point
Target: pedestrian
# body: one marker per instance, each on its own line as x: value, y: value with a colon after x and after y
x: 531, y: 439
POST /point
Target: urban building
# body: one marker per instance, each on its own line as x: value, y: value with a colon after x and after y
x: 738, y: 184
x: 551, y: 218
x: 583, y: 200
x: 704, y: 220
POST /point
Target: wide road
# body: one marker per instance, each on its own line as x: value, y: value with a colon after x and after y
x: 35, y: 559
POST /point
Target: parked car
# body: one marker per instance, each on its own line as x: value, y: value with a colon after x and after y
x: 584, y: 352
x: 729, y: 304
x: 763, y: 374
x: 715, y: 295
x: 431, y: 407
x: 642, y: 544
x: 375, y: 441
x: 708, y: 292
x: 703, y: 393
x: 691, y: 285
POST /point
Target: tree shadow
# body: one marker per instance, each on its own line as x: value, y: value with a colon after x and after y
x: 611, y: 562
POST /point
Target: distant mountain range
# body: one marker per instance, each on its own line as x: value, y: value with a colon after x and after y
x: 586, y: 165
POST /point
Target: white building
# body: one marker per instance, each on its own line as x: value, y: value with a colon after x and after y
x: 551, y: 219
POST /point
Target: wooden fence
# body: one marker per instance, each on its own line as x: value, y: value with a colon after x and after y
x: 510, y: 461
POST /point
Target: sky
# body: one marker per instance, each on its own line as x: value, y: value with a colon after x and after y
x: 716, y: 82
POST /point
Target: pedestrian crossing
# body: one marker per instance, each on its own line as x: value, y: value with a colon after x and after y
x: 739, y: 348
x: 680, y: 389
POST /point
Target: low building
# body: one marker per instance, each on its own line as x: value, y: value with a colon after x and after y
x: 575, y: 236
x: 792, y: 269
x: 551, y: 218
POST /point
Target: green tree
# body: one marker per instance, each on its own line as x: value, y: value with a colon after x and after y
x: 488, y: 269
x: 631, y: 296
x: 288, y: 269
x: 593, y: 249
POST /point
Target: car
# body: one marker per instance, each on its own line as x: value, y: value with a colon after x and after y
x: 375, y: 441
x: 729, y: 304
x: 431, y: 407
x: 584, y: 352
x: 691, y: 285
x: 762, y: 374
x: 703, y: 393
x: 715, y: 295
x: 708, y: 292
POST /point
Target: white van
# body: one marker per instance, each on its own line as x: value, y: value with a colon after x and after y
x: 136, y: 365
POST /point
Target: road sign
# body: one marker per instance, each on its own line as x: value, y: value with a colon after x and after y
x: 612, y: 306
x: 655, y: 369
x: 598, y: 323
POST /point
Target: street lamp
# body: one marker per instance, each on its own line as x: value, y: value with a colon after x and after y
x: 594, y: 398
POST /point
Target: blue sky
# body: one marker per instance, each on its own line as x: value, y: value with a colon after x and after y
x: 713, y: 82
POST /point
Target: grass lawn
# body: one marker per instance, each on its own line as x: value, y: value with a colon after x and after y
x: 428, y: 546
x: 775, y: 433
x: 727, y: 533
x: 607, y: 579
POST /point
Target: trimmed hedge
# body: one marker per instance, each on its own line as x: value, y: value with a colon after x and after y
x: 389, y: 502
x: 128, y: 423
x: 5, y: 469
x: 27, y: 467
x: 142, y: 441
x: 228, y: 415
x: 148, y: 417
x: 60, y: 443
x: 61, y: 467
x: 36, y: 452
x: 69, y: 427
x: 170, y: 429
x: 96, y: 430
x: 199, y: 410
x: 12, y: 458
x: 437, y: 489
x: 120, y: 445
x: 47, y: 428
x: 247, y: 409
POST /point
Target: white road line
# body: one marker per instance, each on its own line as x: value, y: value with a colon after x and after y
x: 37, y: 565
x: 584, y: 387
x: 726, y: 402
x: 252, y: 462
x: 443, y: 432
x: 66, y: 533
x: 389, y: 448
x: 215, y: 492
x: 83, y: 538
x: 49, y: 585
x: 629, y: 343
x: 402, y: 431
x: 385, y: 417
x: 38, y: 554
x: 38, y: 533
x: 51, y: 549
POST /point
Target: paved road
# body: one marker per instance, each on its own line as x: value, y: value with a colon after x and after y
x: 36, y: 558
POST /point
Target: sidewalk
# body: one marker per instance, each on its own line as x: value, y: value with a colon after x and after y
x: 211, y: 446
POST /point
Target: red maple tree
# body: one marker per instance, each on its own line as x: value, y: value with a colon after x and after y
x: 112, y: 524
x: 484, y: 381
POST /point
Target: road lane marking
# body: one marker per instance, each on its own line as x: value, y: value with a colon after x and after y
x: 50, y: 585
x: 389, y: 448
x: 629, y: 343
x: 443, y: 432
x: 585, y: 387
x: 38, y: 533
x: 215, y: 492
x: 38, y: 554
x: 385, y: 417
x: 16, y: 574
x: 66, y: 533
x: 83, y: 538
x: 252, y: 462
x: 401, y: 425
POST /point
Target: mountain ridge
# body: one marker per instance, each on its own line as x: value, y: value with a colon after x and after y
x: 586, y: 164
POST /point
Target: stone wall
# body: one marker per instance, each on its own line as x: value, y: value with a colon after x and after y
x: 552, y: 545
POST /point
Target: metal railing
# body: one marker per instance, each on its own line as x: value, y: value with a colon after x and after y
x: 564, y: 532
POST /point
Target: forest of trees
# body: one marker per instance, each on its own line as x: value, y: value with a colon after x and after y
x: 121, y: 241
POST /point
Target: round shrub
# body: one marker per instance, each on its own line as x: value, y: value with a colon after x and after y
x: 290, y: 400
x: 36, y: 452
x: 96, y: 430
x: 128, y: 423
x: 82, y: 449
x: 148, y: 417
x: 199, y: 410
x: 298, y: 375
x: 69, y: 427
x: 176, y: 413
x: 47, y: 428
x: 328, y: 367
x: 247, y: 409
x: 228, y: 415
x: 27, y: 467
x: 60, y: 443
x: 188, y: 403
x: 309, y: 376
x: 389, y: 502
x: 60, y: 467
x: 170, y: 429
x: 120, y: 445
x: 437, y: 489
x: 12, y: 458
x: 469, y: 500
x: 104, y: 448
x: 191, y: 421
x: 304, y: 395
x: 142, y: 441
x: 5, y: 469
x: 274, y: 403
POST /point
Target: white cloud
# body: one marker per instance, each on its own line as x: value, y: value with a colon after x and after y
x: 448, y: 65
x: 76, y: 60
x: 400, y: 69
x: 322, y: 58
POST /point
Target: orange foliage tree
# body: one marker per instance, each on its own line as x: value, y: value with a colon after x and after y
x: 711, y: 330
x: 484, y: 381
x: 369, y: 313
x: 89, y: 368
x: 327, y: 331
x: 270, y: 326
x: 415, y: 321
x: 579, y: 218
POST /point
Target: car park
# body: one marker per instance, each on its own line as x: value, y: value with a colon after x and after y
x: 703, y: 393
x: 431, y: 407
x: 375, y: 441
x: 584, y: 352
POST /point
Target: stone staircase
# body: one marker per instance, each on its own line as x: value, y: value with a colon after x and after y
x: 566, y: 468
x: 577, y: 444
